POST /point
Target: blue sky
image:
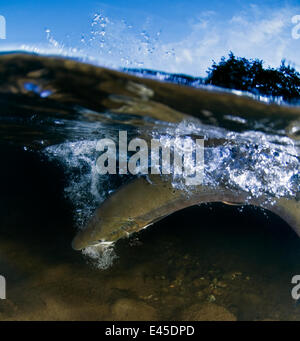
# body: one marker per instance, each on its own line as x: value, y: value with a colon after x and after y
x: 171, y: 35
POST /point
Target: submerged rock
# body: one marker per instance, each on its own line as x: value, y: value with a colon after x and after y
x: 126, y: 309
x: 207, y: 312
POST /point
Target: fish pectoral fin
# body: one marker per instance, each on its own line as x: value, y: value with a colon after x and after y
x: 159, y: 218
x: 147, y: 224
x: 233, y: 203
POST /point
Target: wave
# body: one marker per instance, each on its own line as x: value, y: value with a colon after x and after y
x: 61, y: 108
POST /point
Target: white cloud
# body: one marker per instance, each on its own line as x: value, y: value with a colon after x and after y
x: 257, y: 33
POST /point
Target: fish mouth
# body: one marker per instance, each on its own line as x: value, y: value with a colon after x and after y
x: 85, y: 239
x: 77, y: 244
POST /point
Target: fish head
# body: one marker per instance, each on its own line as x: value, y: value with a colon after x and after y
x: 104, y: 231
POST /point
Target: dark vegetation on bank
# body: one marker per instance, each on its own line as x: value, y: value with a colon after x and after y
x: 250, y: 75
x: 242, y: 74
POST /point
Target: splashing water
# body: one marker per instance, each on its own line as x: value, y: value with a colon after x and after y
x: 102, y: 257
x: 262, y: 165
x: 111, y: 43
x: 64, y: 108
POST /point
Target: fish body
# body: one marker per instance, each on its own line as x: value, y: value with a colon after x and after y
x: 142, y: 202
x: 66, y: 95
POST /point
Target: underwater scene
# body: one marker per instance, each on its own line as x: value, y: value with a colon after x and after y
x: 148, y: 172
